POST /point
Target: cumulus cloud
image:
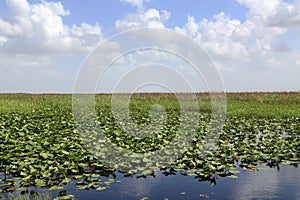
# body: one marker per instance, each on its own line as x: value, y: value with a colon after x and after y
x: 261, y: 8
x: 10, y: 30
x: 226, y: 37
x: 287, y: 16
x: 223, y: 36
x: 274, y: 12
x: 34, y: 38
x: 39, y: 29
x: 151, y: 18
x: 35, y: 45
x: 254, y: 50
x: 136, y: 3
x: 3, y: 40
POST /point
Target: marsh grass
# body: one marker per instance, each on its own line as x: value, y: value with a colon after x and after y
x: 33, y: 196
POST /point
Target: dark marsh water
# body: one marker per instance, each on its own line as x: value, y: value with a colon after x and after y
x: 273, y: 183
x: 282, y: 183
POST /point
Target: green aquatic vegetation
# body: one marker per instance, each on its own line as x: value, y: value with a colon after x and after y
x: 40, y: 145
x: 32, y: 195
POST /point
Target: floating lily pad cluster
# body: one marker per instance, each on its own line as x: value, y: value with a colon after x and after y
x: 42, y: 147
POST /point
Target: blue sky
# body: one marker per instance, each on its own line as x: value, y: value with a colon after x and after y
x: 254, y: 43
x: 107, y: 12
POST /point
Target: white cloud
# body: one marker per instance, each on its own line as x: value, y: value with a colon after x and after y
x: 274, y: 12
x: 151, y: 18
x: 37, y: 47
x: 136, y: 3
x: 252, y: 53
x: 2, y: 40
x: 287, y: 16
x: 222, y: 37
x: 10, y: 30
x: 265, y: 21
x: 34, y: 39
x: 86, y: 29
x: 39, y: 29
x: 262, y: 8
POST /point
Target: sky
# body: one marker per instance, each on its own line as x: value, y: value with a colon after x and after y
x: 254, y: 44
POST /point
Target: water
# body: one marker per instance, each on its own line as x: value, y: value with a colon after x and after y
x: 273, y: 183
x: 267, y: 184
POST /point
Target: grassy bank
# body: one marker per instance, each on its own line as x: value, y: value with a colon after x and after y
x: 285, y: 104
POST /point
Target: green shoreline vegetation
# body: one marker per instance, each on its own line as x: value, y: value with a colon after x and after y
x: 40, y: 146
x: 255, y: 104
